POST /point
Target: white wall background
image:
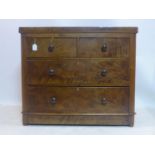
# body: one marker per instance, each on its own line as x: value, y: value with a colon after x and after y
x: 10, y: 56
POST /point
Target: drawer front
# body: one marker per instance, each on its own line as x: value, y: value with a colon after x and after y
x: 83, y: 72
x: 77, y: 100
x: 48, y: 47
x: 103, y: 47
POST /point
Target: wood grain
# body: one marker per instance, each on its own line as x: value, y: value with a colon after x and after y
x: 86, y: 85
x: 78, y: 72
x: 78, y: 100
x: 75, y: 120
x: 63, y: 47
x: 48, y: 30
x: 91, y: 47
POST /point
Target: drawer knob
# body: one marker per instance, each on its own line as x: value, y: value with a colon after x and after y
x: 103, y: 72
x: 51, y: 48
x: 51, y: 72
x: 104, y: 48
x: 52, y: 100
x: 104, y: 101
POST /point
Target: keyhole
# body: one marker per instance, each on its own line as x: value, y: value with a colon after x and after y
x: 34, y: 47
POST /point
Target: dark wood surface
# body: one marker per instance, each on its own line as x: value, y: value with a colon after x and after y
x: 78, y: 100
x: 63, y: 47
x: 75, y: 119
x: 73, y: 72
x: 42, y: 30
x: 92, y: 47
x: 88, y: 78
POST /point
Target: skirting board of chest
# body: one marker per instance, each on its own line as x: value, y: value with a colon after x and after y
x: 78, y: 75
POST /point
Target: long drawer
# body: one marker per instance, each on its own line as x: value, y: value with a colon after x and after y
x: 78, y: 72
x: 77, y: 100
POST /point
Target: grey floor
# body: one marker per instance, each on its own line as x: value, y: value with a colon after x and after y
x: 10, y: 123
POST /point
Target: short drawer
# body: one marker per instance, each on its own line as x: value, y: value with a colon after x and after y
x: 82, y: 72
x: 77, y: 100
x: 49, y: 47
x: 103, y: 47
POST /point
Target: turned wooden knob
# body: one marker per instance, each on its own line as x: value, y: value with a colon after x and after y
x: 51, y: 72
x: 51, y: 48
x: 104, y: 101
x: 104, y: 48
x: 52, y: 100
x: 103, y: 72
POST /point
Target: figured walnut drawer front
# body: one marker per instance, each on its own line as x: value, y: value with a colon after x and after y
x: 78, y: 72
x: 103, y: 47
x: 74, y: 100
x: 49, y: 47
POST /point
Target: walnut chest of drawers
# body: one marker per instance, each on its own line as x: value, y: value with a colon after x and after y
x: 78, y: 75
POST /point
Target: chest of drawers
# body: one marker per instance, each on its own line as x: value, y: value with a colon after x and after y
x: 78, y: 75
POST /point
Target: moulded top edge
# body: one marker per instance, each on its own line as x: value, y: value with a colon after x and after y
x: 38, y: 30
